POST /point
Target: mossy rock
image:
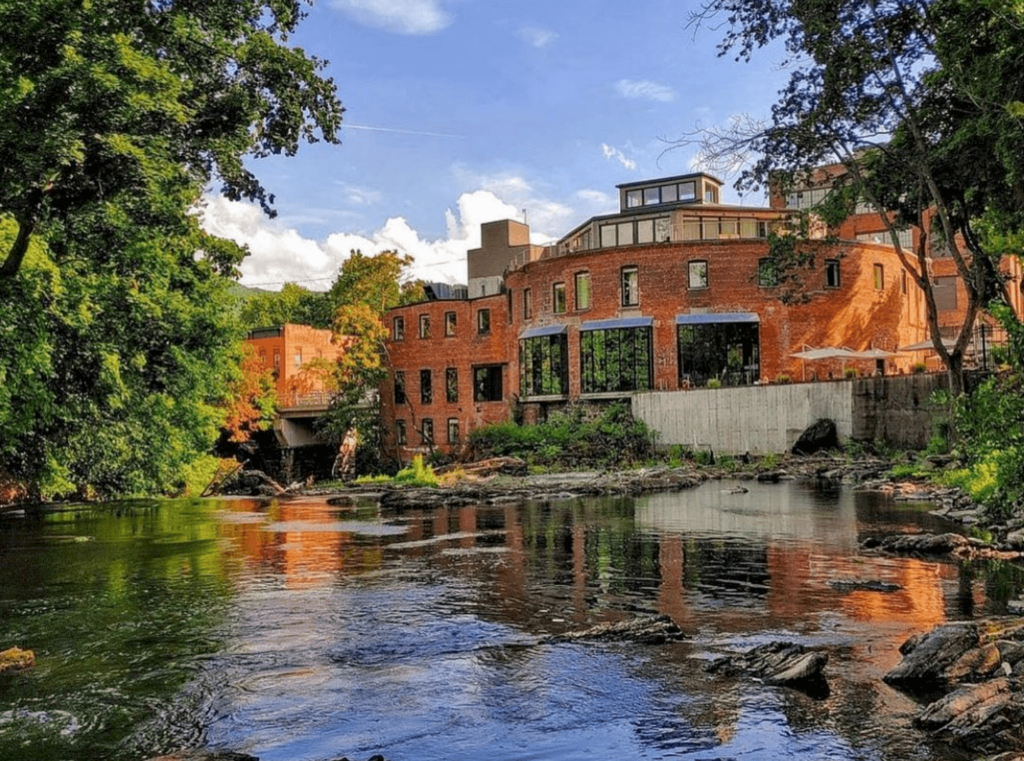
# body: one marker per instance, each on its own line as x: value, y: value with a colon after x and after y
x: 16, y: 659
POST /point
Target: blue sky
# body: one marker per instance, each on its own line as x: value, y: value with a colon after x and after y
x: 464, y: 111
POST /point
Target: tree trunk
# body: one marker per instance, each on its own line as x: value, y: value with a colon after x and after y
x: 19, y: 248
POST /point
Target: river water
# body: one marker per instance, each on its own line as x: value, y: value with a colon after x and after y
x: 297, y: 630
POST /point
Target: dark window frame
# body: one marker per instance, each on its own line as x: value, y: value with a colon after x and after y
x: 629, y: 285
x: 483, y: 321
x: 559, y: 303
x: 690, y: 275
x: 527, y: 304
x: 450, y: 323
x: 424, y: 326
x: 426, y: 386
x: 451, y: 384
x: 427, y: 430
x: 616, y: 360
x: 400, y: 395
x: 398, y: 328
x: 401, y: 436
x: 488, y: 385
x: 453, y: 425
x: 583, y: 277
x: 833, y: 274
x: 544, y: 365
x: 728, y: 351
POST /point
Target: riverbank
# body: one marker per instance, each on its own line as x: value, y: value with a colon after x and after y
x: 866, y: 472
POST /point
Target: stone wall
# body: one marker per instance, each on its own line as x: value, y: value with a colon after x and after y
x: 764, y: 419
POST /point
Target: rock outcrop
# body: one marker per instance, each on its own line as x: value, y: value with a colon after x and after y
x: 656, y: 630
x: 982, y: 666
x: 777, y: 663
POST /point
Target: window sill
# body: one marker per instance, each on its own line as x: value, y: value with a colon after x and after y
x: 545, y: 398
x: 611, y: 394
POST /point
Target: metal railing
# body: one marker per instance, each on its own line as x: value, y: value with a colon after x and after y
x: 309, y: 399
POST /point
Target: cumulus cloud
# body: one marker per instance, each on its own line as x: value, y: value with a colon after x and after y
x: 281, y: 254
x: 399, y: 16
x: 614, y: 153
x: 645, y: 89
x: 537, y: 37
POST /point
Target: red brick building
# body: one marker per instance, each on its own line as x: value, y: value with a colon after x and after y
x: 673, y: 291
x: 288, y: 349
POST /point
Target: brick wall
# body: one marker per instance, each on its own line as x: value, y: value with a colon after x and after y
x: 856, y: 314
x: 468, y: 348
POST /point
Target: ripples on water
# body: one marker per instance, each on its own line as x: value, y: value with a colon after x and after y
x: 299, y: 631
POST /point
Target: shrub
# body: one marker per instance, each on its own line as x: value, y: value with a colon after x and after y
x: 570, y: 439
x: 714, y: 383
x: 417, y: 474
x: 783, y: 379
x: 850, y: 372
x: 919, y: 367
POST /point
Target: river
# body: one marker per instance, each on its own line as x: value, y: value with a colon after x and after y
x: 297, y: 631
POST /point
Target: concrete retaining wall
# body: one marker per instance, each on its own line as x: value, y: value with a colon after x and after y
x: 764, y: 419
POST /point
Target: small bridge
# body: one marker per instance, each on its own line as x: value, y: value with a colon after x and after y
x: 296, y: 416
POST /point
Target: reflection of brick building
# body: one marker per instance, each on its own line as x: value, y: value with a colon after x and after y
x: 670, y: 292
x: 287, y: 349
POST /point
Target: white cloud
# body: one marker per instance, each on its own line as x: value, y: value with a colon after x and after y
x: 399, y: 16
x: 614, y: 153
x: 642, y: 88
x: 360, y: 196
x: 281, y: 254
x: 537, y: 37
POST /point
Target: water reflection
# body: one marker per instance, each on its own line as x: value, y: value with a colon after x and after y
x: 300, y: 630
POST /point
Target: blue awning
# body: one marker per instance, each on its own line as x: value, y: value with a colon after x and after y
x: 622, y: 322
x: 710, y: 318
x: 543, y: 330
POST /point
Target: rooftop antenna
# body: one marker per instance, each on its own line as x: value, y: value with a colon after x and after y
x: 524, y: 217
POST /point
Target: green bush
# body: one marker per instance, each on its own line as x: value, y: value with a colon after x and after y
x: 570, y: 439
x: 417, y: 474
x: 714, y: 383
x: 919, y: 367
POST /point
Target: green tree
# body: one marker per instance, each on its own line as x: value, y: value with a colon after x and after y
x: 366, y: 287
x: 111, y: 378
x: 137, y: 104
x: 917, y: 99
x: 378, y: 281
x: 292, y: 304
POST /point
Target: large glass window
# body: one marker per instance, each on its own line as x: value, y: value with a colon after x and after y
x: 487, y: 383
x: 544, y: 365
x: 728, y: 351
x: 630, y: 286
x: 582, y: 290
x: 616, y: 359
